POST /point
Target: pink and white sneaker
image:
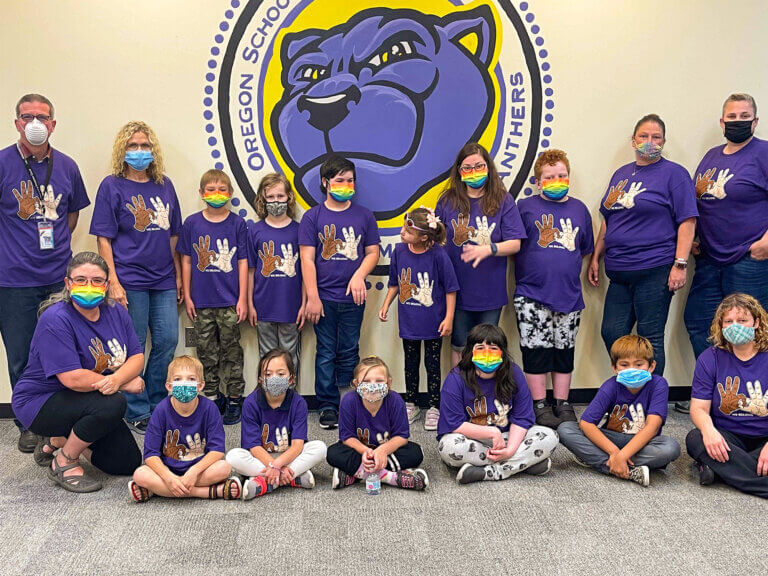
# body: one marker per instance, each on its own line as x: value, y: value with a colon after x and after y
x: 430, y: 420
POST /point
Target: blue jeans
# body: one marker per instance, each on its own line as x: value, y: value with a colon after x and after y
x: 18, y: 320
x: 713, y: 282
x: 156, y: 310
x: 642, y: 297
x: 465, y: 320
x: 336, y: 355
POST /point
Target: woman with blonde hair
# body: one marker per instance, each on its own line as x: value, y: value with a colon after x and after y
x: 137, y: 219
x: 728, y: 406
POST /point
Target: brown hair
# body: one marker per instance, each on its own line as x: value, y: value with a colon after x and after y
x: 271, y: 355
x: 751, y: 305
x: 79, y: 259
x: 651, y: 118
x: 215, y: 176
x: 631, y: 346
x: 420, y: 217
x: 738, y: 97
x: 260, y: 201
x: 456, y: 192
x: 181, y: 362
x: 28, y: 98
x: 366, y: 364
x: 550, y: 158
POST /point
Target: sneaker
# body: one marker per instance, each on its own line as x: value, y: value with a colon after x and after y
x: 412, y: 411
x: 540, y: 468
x: 138, y: 426
x: 27, y: 441
x: 254, y: 487
x: 306, y: 480
x: 579, y: 461
x: 412, y: 479
x: 431, y: 419
x: 469, y: 474
x: 565, y: 412
x: 640, y: 474
x: 234, y: 411
x: 341, y: 479
x: 329, y: 418
x: 706, y: 474
x: 221, y: 402
x: 545, y: 416
x: 683, y: 406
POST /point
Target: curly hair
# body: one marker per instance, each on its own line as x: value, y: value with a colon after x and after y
x: 156, y: 167
x: 550, y: 158
x: 260, y: 201
x: 456, y: 192
x: 420, y: 217
x: 744, y: 302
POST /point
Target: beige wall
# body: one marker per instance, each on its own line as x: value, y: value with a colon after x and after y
x: 104, y: 63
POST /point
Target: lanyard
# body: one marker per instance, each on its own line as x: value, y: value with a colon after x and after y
x: 32, y: 177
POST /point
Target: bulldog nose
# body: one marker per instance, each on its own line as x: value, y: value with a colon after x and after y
x: 325, y: 112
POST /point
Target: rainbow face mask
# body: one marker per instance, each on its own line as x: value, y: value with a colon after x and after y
x: 341, y: 191
x: 475, y: 178
x: 215, y: 199
x: 486, y: 360
x: 648, y: 150
x: 555, y: 189
x: 88, y: 296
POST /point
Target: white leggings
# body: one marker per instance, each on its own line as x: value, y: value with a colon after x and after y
x: 243, y: 462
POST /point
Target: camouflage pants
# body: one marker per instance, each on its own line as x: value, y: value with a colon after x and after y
x: 219, y: 350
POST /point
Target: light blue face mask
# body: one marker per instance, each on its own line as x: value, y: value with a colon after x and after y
x: 184, y: 390
x: 738, y: 334
x: 138, y: 159
x: 633, y: 377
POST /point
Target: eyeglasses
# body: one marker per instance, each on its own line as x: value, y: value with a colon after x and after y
x: 467, y: 168
x: 98, y: 282
x: 133, y: 147
x: 30, y: 117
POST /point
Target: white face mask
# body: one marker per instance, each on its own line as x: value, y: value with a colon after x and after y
x: 36, y: 132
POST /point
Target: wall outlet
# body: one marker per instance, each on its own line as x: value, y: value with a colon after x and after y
x: 190, y: 337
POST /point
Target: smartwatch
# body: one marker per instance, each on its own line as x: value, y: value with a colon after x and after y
x: 494, y: 249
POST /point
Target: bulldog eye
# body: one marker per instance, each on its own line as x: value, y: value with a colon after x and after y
x: 397, y: 51
x: 311, y: 73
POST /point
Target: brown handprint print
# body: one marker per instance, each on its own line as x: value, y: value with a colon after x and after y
x: 479, y: 415
x: 28, y: 202
x: 614, y: 194
x: 331, y: 245
x: 103, y: 360
x: 730, y: 399
x: 462, y: 232
x: 547, y: 231
x: 269, y: 262
x: 172, y: 448
x: 616, y: 421
x: 703, y: 182
x: 407, y: 289
x: 205, y: 256
x: 364, y: 436
x: 142, y: 216
x: 268, y: 446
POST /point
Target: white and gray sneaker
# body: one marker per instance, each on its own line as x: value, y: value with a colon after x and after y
x: 540, y: 468
x: 306, y: 480
x: 641, y: 475
x: 412, y: 411
x: 468, y: 474
x: 431, y: 419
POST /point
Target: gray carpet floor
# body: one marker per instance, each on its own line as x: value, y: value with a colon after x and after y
x: 571, y: 522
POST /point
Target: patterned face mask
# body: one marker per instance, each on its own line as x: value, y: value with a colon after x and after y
x: 372, y: 391
x: 184, y: 390
x: 737, y: 334
x: 648, y: 150
x: 276, y: 385
x: 276, y: 208
x: 633, y: 377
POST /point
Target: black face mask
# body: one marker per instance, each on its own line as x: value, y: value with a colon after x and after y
x: 738, y: 131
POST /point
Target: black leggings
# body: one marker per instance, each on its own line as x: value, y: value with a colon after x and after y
x: 412, y: 349
x: 348, y: 459
x: 94, y: 418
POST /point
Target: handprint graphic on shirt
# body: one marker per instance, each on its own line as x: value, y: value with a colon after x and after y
x: 224, y: 257
x: 730, y: 399
x: 161, y: 216
x: 119, y: 353
x: 195, y: 447
x: 638, y: 420
x: 757, y: 401
x: 704, y: 182
x: 462, y: 232
x: 331, y: 244
x: 424, y: 294
x: 281, y: 437
x: 364, y: 435
x: 628, y: 198
x: 479, y: 415
x: 614, y: 194
x: 483, y: 235
x: 547, y: 232
x: 350, y: 243
x: 568, y: 235
x: 616, y: 421
x: 382, y: 438
x: 48, y: 208
x: 501, y: 416
x: 288, y: 266
x: 205, y: 256
x: 103, y: 360
x: 717, y: 189
x: 407, y: 289
x: 142, y: 216
x: 268, y: 446
x: 28, y: 203
x: 172, y: 449
x: 269, y: 262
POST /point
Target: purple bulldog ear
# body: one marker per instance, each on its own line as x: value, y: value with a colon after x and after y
x: 295, y: 41
x: 478, y: 21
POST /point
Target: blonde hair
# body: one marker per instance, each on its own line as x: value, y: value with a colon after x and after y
x: 738, y: 97
x: 215, y: 176
x: 366, y: 365
x: 182, y: 362
x: 156, y: 167
x: 631, y: 346
x: 751, y: 305
x: 260, y: 202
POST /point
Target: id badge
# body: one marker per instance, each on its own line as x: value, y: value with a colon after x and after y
x: 45, y: 234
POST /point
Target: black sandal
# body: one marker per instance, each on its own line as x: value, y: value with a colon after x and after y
x: 227, y: 490
x: 75, y: 483
x: 43, y: 458
x: 138, y: 493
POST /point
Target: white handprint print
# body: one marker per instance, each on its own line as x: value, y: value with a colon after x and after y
x: 757, y: 402
x: 119, y: 353
x: 382, y: 438
x: 501, y: 416
x: 196, y: 448
x: 47, y: 208
x: 160, y: 217
x: 224, y: 258
x: 717, y: 188
x: 281, y: 437
x: 628, y: 198
x: 568, y: 234
x: 482, y: 236
x: 638, y: 420
x: 350, y: 243
x: 424, y: 295
x: 288, y: 266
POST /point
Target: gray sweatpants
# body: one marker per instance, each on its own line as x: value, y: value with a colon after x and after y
x: 286, y: 335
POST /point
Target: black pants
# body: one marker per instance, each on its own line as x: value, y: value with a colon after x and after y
x: 412, y: 349
x: 96, y: 419
x: 740, y: 471
x: 347, y: 459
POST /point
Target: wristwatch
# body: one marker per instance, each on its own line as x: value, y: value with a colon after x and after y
x: 681, y: 263
x: 494, y: 249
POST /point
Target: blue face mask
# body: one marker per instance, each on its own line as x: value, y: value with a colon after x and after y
x: 737, y: 334
x: 633, y: 377
x: 138, y: 159
x: 184, y: 390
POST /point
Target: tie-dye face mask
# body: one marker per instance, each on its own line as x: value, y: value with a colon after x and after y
x: 215, y: 199
x: 88, y: 296
x: 486, y: 361
x: 555, y: 189
x: 648, y: 150
x: 341, y: 191
x: 476, y: 178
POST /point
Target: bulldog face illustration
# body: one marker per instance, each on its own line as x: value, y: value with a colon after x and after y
x: 395, y: 91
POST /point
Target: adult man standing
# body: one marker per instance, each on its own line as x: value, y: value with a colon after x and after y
x: 41, y: 194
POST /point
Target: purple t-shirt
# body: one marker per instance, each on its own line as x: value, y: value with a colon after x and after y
x: 424, y: 279
x: 20, y: 215
x: 642, y: 213
x: 548, y: 266
x: 262, y: 424
x: 65, y: 340
x: 273, y: 253
x: 735, y: 390
x: 484, y: 287
x: 458, y: 404
x: 181, y: 441
x: 139, y: 218
x: 356, y: 422
x: 339, y: 239
x: 215, y: 249
x: 627, y: 412
x: 733, y: 200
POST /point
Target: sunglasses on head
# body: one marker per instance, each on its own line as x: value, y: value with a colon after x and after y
x: 411, y: 224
